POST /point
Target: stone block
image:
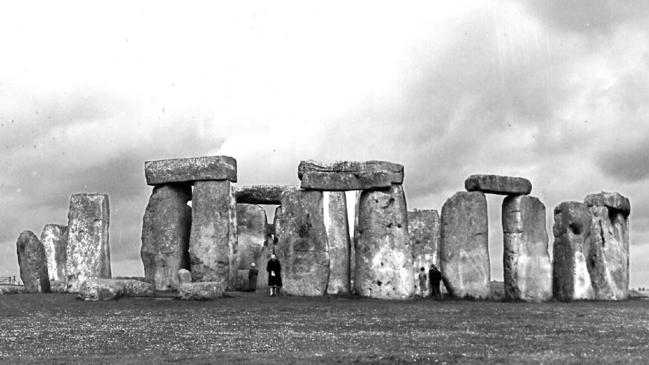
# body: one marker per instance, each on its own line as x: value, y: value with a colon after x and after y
x: 99, y: 289
x: 251, y: 234
x: 338, y: 243
x: 184, y: 276
x: 260, y: 194
x: 33, y: 263
x: 614, y: 201
x: 201, y: 291
x: 190, y: 169
x: 424, y: 235
x: 55, y: 241
x: 12, y: 289
x: 349, y: 175
x: 504, y: 185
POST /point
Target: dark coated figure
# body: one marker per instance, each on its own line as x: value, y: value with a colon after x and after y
x: 435, y: 277
x: 274, y: 275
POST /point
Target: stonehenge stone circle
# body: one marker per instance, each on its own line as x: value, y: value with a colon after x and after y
x: 302, y: 243
x: 190, y: 169
x: 55, y: 240
x: 88, y: 252
x: 165, y: 235
x: 424, y: 235
x: 33, y: 263
x: 201, y: 291
x: 494, y: 184
x: 572, y: 241
x: 338, y: 243
x: 260, y: 194
x: 526, y: 261
x: 382, y: 251
x: 349, y: 175
x: 251, y: 231
x: 464, y: 250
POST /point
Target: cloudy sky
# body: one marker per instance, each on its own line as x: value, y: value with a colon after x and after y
x: 556, y: 91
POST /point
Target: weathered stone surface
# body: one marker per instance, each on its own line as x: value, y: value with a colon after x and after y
x: 338, y: 244
x: 212, y: 242
x: 58, y: 286
x: 190, y: 169
x: 464, y: 249
x: 262, y: 261
x: 201, y: 291
x: 33, y: 263
x: 424, y: 235
x: 615, y: 201
x: 572, y: 241
x: 302, y: 243
x: 349, y: 175
x: 12, y: 289
x: 260, y: 194
x: 165, y: 235
x: 54, y: 238
x: 88, y: 251
x: 383, y: 253
x: 242, y: 283
x: 94, y: 289
x: 526, y: 261
x: 184, y: 276
x: 251, y: 233
x: 494, y: 184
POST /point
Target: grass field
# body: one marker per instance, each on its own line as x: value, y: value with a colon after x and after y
x: 250, y: 328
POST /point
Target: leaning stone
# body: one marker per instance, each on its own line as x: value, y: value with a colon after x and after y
x: 212, y: 242
x: 464, y: 250
x: 251, y: 234
x: 349, y: 175
x: 383, y: 254
x: 614, y: 201
x: 572, y: 241
x: 184, y: 276
x: 201, y: 291
x: 424, y: 236
x: 165, y: 235
x: 190, y: 169
x: 55, y: 240
x: 33, y: 263
x: 260, y: 194
x: 505, y: 185
x: 338, y: 245
x: 12, y: 289
x: 527, y: 267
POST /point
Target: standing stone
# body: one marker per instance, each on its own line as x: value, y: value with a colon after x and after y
x: 608, y: 262
x: 424, y: 235
x: 55, y: 240
x: 494, y: 184
x: 464, y: 250
x: 526, y: 261
x: 184, y: 276
x: 165, y: 235
x: 88, y: 252
x: 337, y: 226
x: 190, y: 169
x: 262, y: 261
x: 302, y: 243
x: 572, y: 241
x: 251, y: 234
x: 383, y: 253
x: 212, y: 242
x: 33, y: 263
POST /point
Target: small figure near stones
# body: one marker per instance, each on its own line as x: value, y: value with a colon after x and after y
x: 435, y: 277
x: 422, y: 282
x: 274, y: 275
x: 252, y: 277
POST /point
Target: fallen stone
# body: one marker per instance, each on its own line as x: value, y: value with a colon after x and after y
x: 165, y: 235
x: 55, y: 241
x: 96, y: 289
x: 88, y: 251
x: 424, y: 236
x: 572, y: 242
x: 33, y: 263
x: 383, y: 267
x: 349, y: 175
x: 505, y: 185
x: 201, y: 291
x: 260, y: 194
x: 251, y: 231
x: 464, y: 249
x: 12, y: 289
x: 190, y: 169
x: 614, y: 201
x: 338, y: 244
x: 526, y: 261
x: 184, y: 276
x: 302, y: 243
x: 58, y: 286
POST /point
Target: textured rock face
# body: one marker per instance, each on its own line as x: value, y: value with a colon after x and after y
x: 242, y: 283
x: 251, y: 233
x: 572, y: 241
x: 464, y: 250
x: 382, y: 251
x: 184, y: 276
x: 190, y: 169
x: 165, y: 235
x: 262, y: 275
x: 526, y: 261
x: 12, y: 289
x: 302, y: 243
x: 614, y: 201
x: 338, y: 244
x: 33, y: 263
x: 201, y: 291
x: 260, y: 194
x: 94, y: 289
x: 349, y: 175
x: 88, y: 252
x: 212, y: 243
x: 424, y: 235
x: 55, y: 241
x: 505, y: 185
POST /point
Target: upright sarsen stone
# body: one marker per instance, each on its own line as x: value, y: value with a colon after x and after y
x: 251, y: 234
x: 464, y: 250
x: 526, y: 261
x: 55, y: 241
x: 33, y: 263
x: 424, y: 235
x: 165, y: 235
x: 382, y: 251
x: 338, y: 244
x: 88, y: 252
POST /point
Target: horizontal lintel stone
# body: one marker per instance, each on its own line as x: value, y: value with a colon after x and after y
x: 494, y: 184
x: 190, y: 169
x: 615, y: 201
x: 260, y: 194
x: 349, y: 175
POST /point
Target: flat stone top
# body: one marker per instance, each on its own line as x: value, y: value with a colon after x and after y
x: 260, y: 194
x: 494, y: 184
x: 190, y: 169
x: 615, y: 201
x: 349, y: 175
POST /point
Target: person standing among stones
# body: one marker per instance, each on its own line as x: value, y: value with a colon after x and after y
x: 422, y: 281
x: 435, y: 277
x: 274, y: 275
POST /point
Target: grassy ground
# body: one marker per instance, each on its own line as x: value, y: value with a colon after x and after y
x: 249, y: 328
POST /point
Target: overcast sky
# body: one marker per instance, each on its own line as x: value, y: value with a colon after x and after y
x: 555, y: 91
